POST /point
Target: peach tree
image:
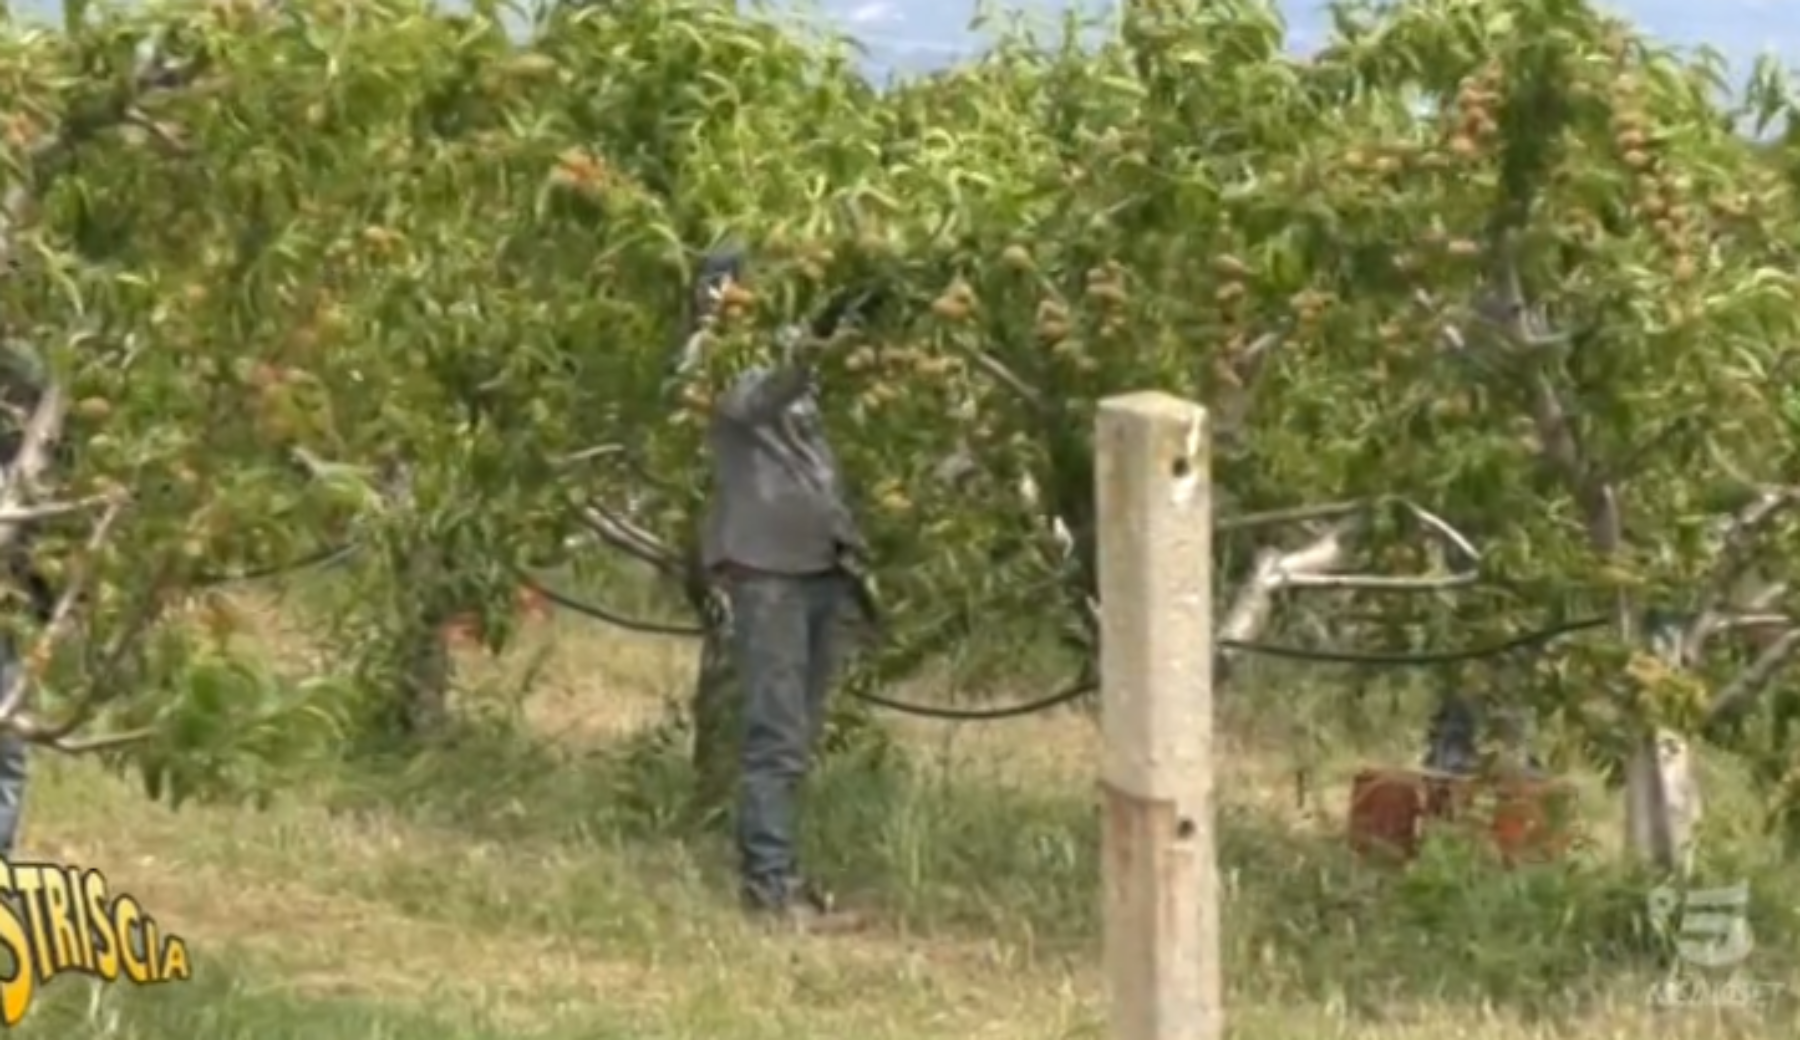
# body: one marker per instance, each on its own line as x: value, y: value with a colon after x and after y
x: 1491, y: 306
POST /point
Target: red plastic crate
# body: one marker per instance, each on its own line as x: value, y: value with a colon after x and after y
x: 533, y: 605
x: 466, y: 630
x: 1521, y: 819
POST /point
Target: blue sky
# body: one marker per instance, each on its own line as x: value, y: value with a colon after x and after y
x: 918, y: 35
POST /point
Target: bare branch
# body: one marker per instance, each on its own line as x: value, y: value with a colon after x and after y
x: 1737, y: 537
x: 1315, y: 566
x: 1764, y: 597
x: 1292, y: 515
x: 135, y: 346
x: 1274, y: 569
x: 1378, y: 582
x: 1743, y: 622
x: 1449, y: 535
x: 1742, y: 692
x: 617, y: 451
x: 1250, y: 363
x: 52, y: 510
x: 1244, y: 369
x: 1054, y: 526
x: 324, y: 469
x: 956, y: 467
x: 61, y: 619
x: 1737, y: 533
x: 1559, y: 447
x: 106, y: 678
x: 22, y: 478
x: 96, y: 743
x: 622, y: 533
x: 164, y: 134
x: 1007, y: 377
x: 599, y: 451
x: 611, y: 535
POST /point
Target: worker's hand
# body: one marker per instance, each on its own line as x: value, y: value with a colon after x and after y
x: 802, y: 350
x: 801, y: 345
x: 849, y: 308
x: 866, y: 595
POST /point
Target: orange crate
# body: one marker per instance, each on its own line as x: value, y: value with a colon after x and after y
x: 466, y: 629
x: 462, y: 630
x: 533, y: 606
x: 1524, y: 819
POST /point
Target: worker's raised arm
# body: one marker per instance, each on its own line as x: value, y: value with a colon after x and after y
x: 761, y: 394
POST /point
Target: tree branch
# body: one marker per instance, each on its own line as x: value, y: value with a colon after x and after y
x: 629, y: 538
x: 1231, y: 410
x: 96, y: 743
x: 1741, y: 693
x: 1291, y: 515
x: 23, y: 477
x: 997, y: 369
x: 62, y: 617
x: 51, y: 510
x: 1315, y: 566
x: 598, y: 451
x: 1656, y: 767
x: 1737, y: 538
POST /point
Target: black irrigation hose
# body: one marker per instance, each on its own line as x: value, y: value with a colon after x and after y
x: 1073, y: 693
x: 335, y: 554
x: 1011, y: 711
x: 1417, y: 660
x: 325, y: 557
x: 321, y: 558
x: 1082, y: 689
x: 654, y: 628
x: 1414, y: 660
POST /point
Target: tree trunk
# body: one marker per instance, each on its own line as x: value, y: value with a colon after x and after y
x: 426, y: 671
x: 422, y: 701
x: 1662, y: 801
x: 717, y: 715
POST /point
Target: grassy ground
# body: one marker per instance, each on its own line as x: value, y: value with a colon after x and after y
x: 525, y: 884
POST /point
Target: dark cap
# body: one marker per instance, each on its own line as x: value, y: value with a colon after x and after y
x: 719, y: 267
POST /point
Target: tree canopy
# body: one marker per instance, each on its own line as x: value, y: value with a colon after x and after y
x: 1500, y: 276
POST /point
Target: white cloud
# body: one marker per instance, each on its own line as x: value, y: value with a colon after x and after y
x: 875, y: 12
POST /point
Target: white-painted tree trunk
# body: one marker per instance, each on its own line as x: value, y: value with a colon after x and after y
x: 1662, y: 801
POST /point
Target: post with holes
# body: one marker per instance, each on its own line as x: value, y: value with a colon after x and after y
x: 1159, y: 872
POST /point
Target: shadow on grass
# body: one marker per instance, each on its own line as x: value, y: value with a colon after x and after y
x: 972, y: 854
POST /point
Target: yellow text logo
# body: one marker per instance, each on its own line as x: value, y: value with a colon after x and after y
x: 57, y: 919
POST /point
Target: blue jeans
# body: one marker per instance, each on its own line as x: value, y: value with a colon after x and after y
x: 786, y: 637
x: 1454, y: 740
x: 12, y: 765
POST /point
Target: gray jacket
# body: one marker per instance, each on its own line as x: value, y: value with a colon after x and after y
x: 778, y: 499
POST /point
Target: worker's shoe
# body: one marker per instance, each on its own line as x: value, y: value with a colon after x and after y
x: 801, y: 907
